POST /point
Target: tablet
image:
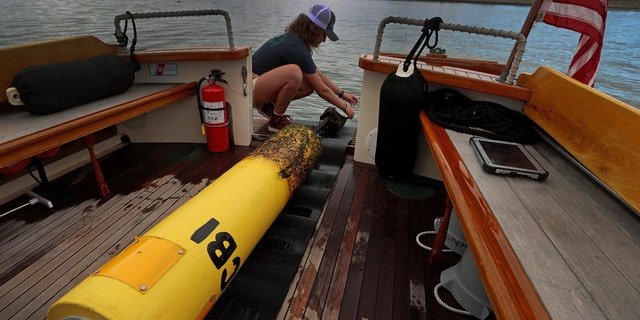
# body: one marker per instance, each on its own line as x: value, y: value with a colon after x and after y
x: 507, y: 158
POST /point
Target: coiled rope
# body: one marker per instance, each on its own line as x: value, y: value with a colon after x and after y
x: 445, y: 305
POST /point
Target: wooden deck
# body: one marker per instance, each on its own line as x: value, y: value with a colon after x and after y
x: 362, y: 260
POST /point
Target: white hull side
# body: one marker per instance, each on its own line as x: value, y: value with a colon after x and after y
x: 180, y: 121
x: 368, y: 121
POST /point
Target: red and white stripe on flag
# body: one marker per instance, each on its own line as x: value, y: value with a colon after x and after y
x: 587, y: 17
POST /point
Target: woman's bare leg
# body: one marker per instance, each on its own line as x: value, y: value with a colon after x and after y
x: 279, y: 86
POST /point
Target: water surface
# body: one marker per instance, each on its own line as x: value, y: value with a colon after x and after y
x: 357, y: 22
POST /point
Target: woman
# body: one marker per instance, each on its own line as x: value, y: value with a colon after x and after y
x: 286, y: 71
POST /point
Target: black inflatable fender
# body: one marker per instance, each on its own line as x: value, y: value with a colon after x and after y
x: 50, y: 88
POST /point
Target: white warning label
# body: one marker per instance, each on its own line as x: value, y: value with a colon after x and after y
x: 163, y: 69
x: 213, y: 112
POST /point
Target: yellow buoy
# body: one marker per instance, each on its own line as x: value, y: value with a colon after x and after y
x: 179, y: 268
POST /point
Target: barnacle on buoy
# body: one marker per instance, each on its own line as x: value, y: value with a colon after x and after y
x: 296, y: 149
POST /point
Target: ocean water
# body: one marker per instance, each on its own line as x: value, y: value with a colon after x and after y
x: 24, y: 21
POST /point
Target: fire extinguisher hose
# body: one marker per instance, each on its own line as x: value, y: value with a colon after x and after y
x: 199, y: 102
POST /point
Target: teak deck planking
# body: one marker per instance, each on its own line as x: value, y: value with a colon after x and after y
x: 362, y: 260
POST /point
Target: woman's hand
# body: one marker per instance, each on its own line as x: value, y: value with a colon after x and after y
x: 352, y: 99
x: 349, y: 111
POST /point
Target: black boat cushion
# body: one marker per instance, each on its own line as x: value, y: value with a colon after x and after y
x: 50, y: 88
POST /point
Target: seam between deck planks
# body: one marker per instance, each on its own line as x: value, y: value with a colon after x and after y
x: 31, y: 281
x: 299, y: 302
x: 335, y: 294
x: 35, y: 236
x: 356, y: 267
x: 136, y: 205
x: 372, y: 264
x: 320, y: 290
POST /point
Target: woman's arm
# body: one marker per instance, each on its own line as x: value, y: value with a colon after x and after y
x: 328, y: 91
x: 351, y: 98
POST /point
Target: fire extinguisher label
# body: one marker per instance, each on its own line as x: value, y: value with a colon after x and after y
x: 213, y: 112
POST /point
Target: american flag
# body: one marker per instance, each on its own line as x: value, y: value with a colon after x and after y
x: 586, y: 17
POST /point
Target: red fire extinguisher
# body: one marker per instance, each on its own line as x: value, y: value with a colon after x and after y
x: 214, y: 118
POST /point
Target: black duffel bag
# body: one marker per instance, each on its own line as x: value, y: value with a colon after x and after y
x: 451, y: 109
x: 50, y: 88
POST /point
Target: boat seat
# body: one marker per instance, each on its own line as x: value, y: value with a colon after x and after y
x: 24, y: 135
x: 565, y: 247
x: 601, y: 133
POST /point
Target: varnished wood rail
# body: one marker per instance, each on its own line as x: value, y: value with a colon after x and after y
x: 509, y: 289
x: 25, y: 146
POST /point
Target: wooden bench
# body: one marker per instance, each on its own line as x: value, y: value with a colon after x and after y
x: 564, y: 247
x: 23, y: 135
x: 601, y: 133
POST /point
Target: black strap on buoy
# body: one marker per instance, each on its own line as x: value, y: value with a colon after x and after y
x: 132, y: 50
x: 430, y: 27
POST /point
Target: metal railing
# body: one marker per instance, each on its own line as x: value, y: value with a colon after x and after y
x: 123, y: 39
x: 508, y: 76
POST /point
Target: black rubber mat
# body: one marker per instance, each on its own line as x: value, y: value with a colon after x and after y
x: 186, y: 152
x: 409, y: 190
x: 261, y: 285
